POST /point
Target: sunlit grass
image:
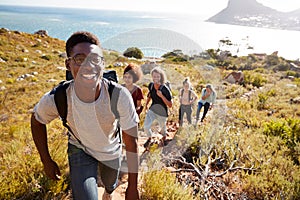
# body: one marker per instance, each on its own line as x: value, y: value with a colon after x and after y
x: 239, y: 123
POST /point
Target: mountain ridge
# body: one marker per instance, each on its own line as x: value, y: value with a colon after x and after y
x: 253, y: 13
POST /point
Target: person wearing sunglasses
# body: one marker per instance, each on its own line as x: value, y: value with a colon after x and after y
x: 93, y: 144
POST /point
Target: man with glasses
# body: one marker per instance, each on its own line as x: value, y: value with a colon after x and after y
x: 92, y: 124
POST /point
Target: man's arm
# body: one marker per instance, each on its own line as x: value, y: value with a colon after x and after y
x: 130, y: 138
x: 39, y: 135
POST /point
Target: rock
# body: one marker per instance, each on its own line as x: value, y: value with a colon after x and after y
x: 148, y: 66
x: 208, y: 67
x: 38, y: 51
x: 118, y: 64
x: 51, y: 80
x: 4, y: 30
x: 42, y: 33
x: 295, y: 100
x: 24, y: 76
x: 61, y: 68
x: 235, y: 77
x: 63, y: 55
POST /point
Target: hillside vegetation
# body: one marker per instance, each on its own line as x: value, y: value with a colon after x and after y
x: 248, y: 147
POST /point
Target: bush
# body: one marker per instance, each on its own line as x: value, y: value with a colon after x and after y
x: 289, y: 131
x: 255, y: 79
x: 162, y: 185
x: 133, y: 52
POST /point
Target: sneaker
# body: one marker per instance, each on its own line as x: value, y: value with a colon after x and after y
x: 106, y: 196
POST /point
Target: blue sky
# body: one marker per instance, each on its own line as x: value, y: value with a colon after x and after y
x: 205, y: 7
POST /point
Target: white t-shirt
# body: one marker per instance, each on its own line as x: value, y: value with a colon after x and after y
x: 93, y: 123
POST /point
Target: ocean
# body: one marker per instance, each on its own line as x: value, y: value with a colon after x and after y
x: 153, y: 33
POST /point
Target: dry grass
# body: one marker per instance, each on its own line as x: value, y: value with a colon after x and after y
x: 21, y: 170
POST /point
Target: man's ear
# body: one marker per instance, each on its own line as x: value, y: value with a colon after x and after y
x: 67, y: 63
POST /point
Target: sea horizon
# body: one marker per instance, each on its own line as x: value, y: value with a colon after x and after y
x: 153, y: 32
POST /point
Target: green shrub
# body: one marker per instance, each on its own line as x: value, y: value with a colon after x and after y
x: 162, y: 185
x: 292, y: 73
x: 133, y: 52
x: 297, y: 81
x: 262, y: 101
x: 289, y: 131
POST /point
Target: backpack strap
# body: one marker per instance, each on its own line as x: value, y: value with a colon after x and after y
x: 61, y: 102
x: 114, y: 91
x: 150, y: 89
x: 181, y: 92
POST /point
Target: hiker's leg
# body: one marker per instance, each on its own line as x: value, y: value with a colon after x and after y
x: 109, y: 171
x: 163, y: 124
x: 180, y: 115
x: 189, y: 113
x: 206, y: 107
x: 83, y: 173
x: 198, y: 111
x: 150, y: 117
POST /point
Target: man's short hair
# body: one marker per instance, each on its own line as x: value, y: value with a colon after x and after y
x: 80, y: 37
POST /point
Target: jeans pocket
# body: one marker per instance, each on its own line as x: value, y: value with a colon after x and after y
x: 77, y: 157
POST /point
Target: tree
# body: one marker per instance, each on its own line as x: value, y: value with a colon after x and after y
x: 133, y: 52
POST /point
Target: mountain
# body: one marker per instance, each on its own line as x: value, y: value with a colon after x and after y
x: 252, y: 13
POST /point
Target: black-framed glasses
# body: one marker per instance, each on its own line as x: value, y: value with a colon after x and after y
x: 92, y: 58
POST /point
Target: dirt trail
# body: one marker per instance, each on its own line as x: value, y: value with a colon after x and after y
x: 119, y: 193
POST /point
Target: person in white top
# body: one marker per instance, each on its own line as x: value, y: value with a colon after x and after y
x: 92, y: 123
x: 186, y: 98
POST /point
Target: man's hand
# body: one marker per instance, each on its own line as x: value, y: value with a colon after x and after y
x: 51, y: 169
x: 132, y: 194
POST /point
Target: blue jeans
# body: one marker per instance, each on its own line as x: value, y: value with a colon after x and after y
x: 206, y: 108
x: 83, y: 172
x: 150, y: 117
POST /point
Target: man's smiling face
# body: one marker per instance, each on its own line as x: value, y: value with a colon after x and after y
x: 86, y: 64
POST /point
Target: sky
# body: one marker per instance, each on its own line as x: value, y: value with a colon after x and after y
x: 204, y: 7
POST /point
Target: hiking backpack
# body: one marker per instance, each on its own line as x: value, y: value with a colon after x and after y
x: 61, y: 102
x: 167, y: 84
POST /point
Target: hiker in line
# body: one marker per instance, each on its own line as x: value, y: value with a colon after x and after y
x: 207, y: 99
x: 161, y: 98
x: 92, y: 124
x: 186, y: 98
x: 132, y: 74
